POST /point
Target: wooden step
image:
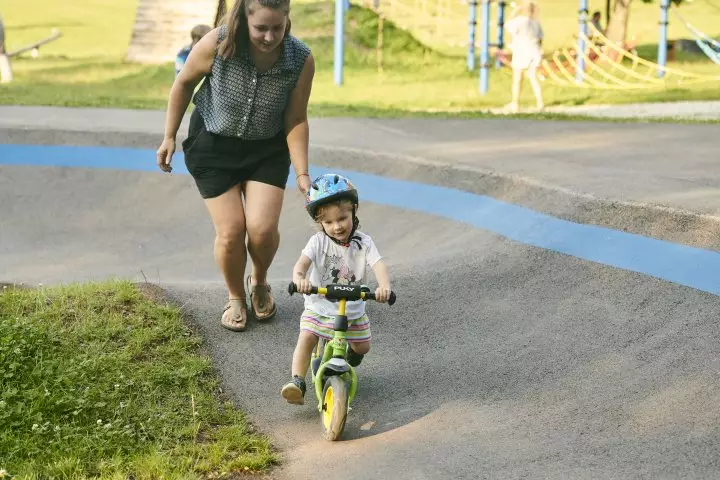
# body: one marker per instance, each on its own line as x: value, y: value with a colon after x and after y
x: 162, y: 27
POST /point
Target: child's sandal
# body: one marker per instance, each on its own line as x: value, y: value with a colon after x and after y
x: 236, y: 320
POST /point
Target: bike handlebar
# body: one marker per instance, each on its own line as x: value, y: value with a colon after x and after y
x: 347, y: 292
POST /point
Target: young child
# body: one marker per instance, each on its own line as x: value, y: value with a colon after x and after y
x: 196, y: 34
x: 339, y: 253
x: 527, y: 37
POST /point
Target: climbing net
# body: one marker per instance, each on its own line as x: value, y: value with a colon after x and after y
x: 612, y: 67
x: 443, y: 24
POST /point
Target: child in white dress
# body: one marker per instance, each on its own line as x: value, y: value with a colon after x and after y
x: 338, y: 254
x: 527, y: 36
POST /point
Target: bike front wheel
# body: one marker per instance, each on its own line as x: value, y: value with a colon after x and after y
x: 334, y: 407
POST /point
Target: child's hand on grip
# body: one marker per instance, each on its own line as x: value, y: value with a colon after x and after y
x: 382, y: 295
x: 304, y: 286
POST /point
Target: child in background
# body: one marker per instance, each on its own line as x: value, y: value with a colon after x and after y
x: 198, y: 32
x: 527, y: 37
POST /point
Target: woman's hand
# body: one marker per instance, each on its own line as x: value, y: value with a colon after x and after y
x: 165, y: 153
x: 303, y: 182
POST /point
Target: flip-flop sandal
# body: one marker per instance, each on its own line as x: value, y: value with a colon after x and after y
x: 237, y: 319
x: 260, y: 313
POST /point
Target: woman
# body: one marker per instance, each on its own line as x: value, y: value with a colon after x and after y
x: 250, y: 123
x: 527, y: 36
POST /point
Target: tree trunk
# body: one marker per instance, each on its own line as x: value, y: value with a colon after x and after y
x: 5, y: 69
x: 617, y: 25
x: 608, y: 13
x: 2, y: 37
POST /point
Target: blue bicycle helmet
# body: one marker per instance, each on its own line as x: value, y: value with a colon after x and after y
x: 329, y: 188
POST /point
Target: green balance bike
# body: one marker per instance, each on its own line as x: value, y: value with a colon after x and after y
x: 333, y: 378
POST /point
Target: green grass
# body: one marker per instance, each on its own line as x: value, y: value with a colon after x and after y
x: 85, y: 67
x: 100, y: 381
x: 100, y: 30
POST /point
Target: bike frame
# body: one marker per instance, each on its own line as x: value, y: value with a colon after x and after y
x: 334, y: 351
x: 336, y: 348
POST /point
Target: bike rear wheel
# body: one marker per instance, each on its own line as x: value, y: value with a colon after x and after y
x: 334, y: 407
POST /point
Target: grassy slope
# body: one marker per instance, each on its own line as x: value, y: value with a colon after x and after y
x: 100, y: 381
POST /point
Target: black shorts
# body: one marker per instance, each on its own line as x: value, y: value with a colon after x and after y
x: 217, y: 162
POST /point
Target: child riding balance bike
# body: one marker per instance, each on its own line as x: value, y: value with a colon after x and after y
x: 334, y: 318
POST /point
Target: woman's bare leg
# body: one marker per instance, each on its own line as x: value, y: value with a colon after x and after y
x: 263, y: 204
x: 228, y: 216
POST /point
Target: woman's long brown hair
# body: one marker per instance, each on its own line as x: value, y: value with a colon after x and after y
x: 237, y: 33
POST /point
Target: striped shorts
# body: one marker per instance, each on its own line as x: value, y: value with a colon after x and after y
x: 322, y: 326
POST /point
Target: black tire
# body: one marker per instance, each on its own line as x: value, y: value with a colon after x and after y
x: 334, y: 409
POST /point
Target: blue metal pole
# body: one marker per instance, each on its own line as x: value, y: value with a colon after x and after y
x: 500, y: 31
x: 663, y: 42
x: 579, y: 58
x: 339, y: 57
x: 471, y: 41
x: 485, y: 49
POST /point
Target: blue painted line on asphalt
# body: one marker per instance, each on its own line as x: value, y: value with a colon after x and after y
x: 86, y: 157
x: 689, y: 266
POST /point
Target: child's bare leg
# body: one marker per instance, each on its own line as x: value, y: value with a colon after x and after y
x: 294, y: 392
x: 535, y: 84
x: 360, y: 347
x: 357, y: 352
x: 303, y: 351
x: 516, y: 88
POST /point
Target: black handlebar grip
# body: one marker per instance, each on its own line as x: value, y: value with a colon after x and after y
x: 292, y: 288
x: 371, y: 296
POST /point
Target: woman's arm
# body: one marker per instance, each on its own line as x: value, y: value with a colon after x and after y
x: 198, y: 64
x: 296, y: 124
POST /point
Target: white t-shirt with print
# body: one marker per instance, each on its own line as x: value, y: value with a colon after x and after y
x: 333, y: 263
